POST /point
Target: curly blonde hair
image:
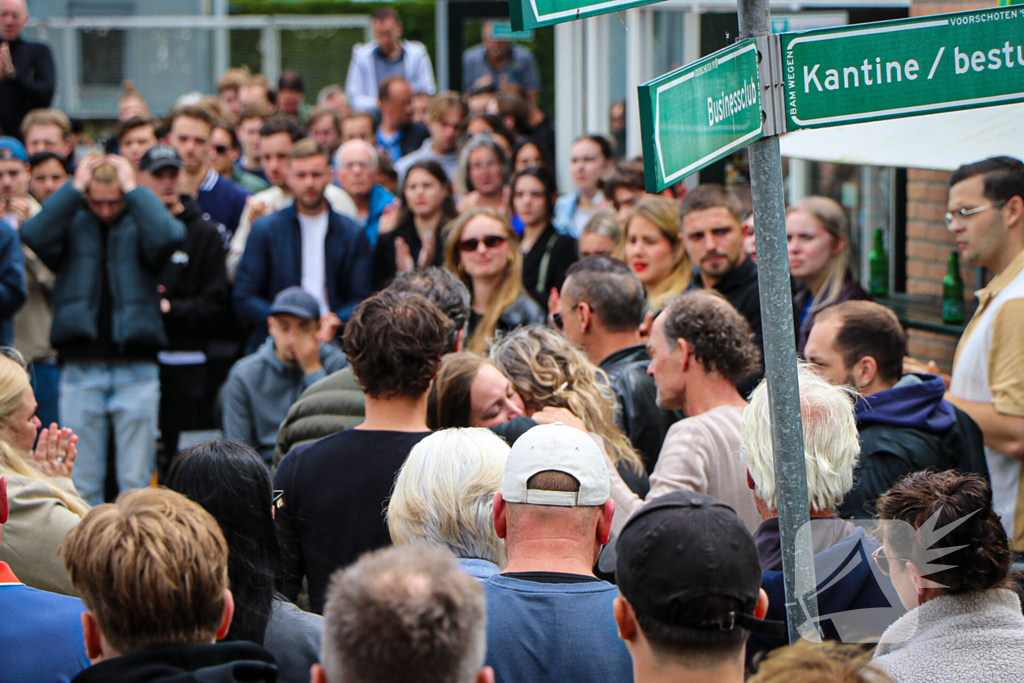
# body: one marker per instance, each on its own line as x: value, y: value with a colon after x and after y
x: 548, y: 370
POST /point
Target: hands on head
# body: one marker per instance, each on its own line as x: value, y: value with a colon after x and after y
x: 86, y: 168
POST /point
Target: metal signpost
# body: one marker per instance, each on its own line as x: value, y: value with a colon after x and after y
x: 700, y: 113
x: 892, y: 69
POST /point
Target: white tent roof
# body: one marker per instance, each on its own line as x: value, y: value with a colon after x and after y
x: 937, y: 141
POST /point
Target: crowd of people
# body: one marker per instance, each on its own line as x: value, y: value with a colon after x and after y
x: 477, y: 427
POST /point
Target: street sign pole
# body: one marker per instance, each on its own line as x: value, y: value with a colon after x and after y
x: 779, y: 349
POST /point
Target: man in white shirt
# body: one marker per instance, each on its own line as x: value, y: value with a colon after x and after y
x: 986, y: 217
x: 277, y: 139
x: 305, y: 244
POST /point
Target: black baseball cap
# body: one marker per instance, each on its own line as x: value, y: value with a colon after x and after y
x: 160, y: 156
x: 296, y: 301
x: 683, y: 546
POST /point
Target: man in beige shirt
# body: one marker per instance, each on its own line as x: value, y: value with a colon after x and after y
x: 986, y: 218
x: 700, y: 346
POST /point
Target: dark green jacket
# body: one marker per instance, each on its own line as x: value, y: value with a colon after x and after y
x: 74, y: 244
x: 327, y: 406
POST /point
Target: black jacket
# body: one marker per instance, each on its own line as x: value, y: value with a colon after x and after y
x: 545, y: 265
x: 638, y: 414
x: 195, y: 282
x: 850, y: 291
x: 740, y: 287
x: 32, y: 86
x: 224, y: 662
x: 523, y: 311
x: 105, y: 301
x: 413, y: 137
x: 909, y: 428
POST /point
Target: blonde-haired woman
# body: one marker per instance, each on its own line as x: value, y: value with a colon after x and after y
x: 444, y: 497
x: 483, y: 251
x: 547, y: 370
x: 818, y: 236
x: 43, y: 502
x: 654, y: 250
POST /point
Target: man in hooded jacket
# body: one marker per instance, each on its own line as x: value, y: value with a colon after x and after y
x: 904, y: 422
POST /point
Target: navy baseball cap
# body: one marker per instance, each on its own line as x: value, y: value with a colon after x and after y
x: 683, y: 546
x: 296, y: 301
x: 11, y: 148
x: 160, y: 156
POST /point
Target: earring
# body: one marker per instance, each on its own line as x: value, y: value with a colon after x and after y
x: 461, y: 268
x: 510, y: 259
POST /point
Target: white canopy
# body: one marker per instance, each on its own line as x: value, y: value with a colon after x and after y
x: 940, y: 142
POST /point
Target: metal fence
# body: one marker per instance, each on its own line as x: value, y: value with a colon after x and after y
x: 166, y: 56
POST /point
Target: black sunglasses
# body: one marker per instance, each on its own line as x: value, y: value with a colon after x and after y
x: 221, y: 149
x: 491, y: 241
x: 556, y: 318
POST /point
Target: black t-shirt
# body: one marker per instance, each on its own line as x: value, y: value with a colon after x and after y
x: 561, y: 252
x: 332, y: 510
x: 552, y: 577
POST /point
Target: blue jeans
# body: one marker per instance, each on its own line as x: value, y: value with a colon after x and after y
x: 46, y: 385
x: 95, y: 396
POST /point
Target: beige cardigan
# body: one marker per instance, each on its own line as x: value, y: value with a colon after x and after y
x: 700, y: 454
x: 37, y: 524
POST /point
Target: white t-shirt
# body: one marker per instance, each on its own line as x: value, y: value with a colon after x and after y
x: 314, y: 232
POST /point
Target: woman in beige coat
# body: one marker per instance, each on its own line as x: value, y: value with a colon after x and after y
x: 43, y: 502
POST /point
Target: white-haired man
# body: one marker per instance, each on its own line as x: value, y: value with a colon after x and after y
x: 549, y: 618
x: 356, y: 170
x: 845, y: 577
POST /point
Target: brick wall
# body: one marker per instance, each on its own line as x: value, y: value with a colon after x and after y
x: 928, y: 241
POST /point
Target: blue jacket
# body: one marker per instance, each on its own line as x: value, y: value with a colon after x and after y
x: 273, y: 261
x: 380, y: 198
x: 13, y: 291
x: 905, y: 429
x: 40, y: 633
x: 73, y: 243
x: 856, y: 602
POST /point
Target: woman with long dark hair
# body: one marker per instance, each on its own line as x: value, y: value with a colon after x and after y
x: 411, y: 236
x: 547, y: 254
x: 232, y: 482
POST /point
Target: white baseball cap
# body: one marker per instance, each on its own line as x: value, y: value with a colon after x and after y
x: 562, y: 449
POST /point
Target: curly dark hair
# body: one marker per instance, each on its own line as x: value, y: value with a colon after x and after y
x: 962, y: 500
x: 394, y: 343
x: 720, y: 336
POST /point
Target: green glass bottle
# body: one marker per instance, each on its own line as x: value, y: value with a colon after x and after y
x: 878, y: 264
x: 953, y: 292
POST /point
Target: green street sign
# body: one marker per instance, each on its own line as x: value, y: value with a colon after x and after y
x: 911, y: 67
x: 696, y: 115
x: 530, y: 14
x: 502, y: 30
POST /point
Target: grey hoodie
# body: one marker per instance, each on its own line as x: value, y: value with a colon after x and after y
x: 259, y: 390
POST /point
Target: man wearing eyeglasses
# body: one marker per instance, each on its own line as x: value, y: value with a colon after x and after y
x: 986, y: 217
x: 355, y: 165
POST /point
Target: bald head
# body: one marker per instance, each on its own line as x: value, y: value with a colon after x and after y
x: 13, y: 17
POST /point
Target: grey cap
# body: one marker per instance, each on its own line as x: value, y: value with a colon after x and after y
x: 296, y: 301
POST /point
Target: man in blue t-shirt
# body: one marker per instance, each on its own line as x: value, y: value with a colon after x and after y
x: 40, y: 633
x: 548, y: 617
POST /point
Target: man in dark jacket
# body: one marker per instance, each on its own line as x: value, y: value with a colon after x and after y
x: 27, y: 74
x: 397, y: 134
x: 194, y: 298
x: 107, y: 241
x: 710, y: 218
x: 905, y: 424
x: 148, y: 544
x: 600, y: 309
x: 306, y: 244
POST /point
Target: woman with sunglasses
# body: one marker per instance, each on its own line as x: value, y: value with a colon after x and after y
x: 410, y: 234
x: 547, y: 254
x: 948, y: 555
x: 483, y: 251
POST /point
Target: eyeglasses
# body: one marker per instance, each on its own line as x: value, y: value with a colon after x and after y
x: 883, y: 560
x: 556, y: 319
x: 961, y: 214
x: 221, y: 149
x: 491, y: 242
x: 276, y: 499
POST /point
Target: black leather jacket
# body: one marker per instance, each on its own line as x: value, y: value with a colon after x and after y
x: 638, y: 416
